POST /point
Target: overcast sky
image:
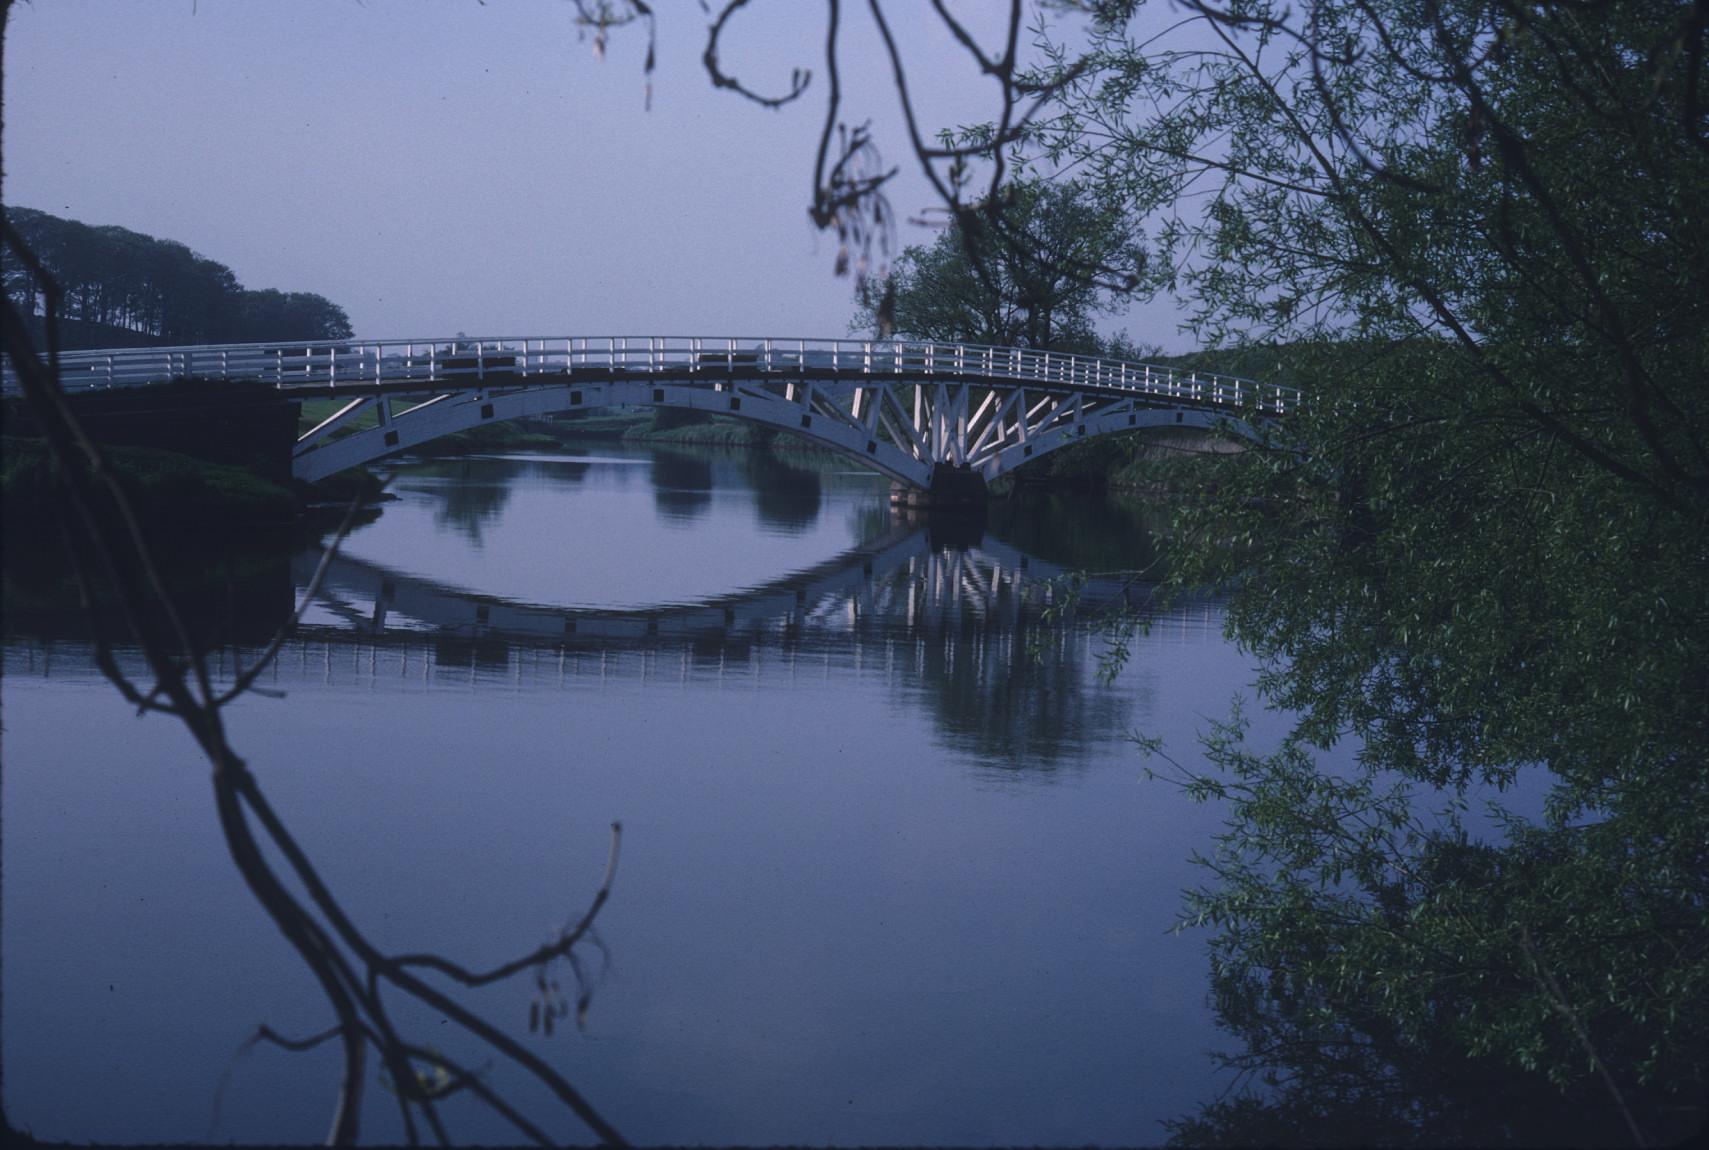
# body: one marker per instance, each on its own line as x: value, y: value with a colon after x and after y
x: 450, y: 166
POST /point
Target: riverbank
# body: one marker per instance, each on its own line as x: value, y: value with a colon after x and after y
x: 166, y: 489
x: 172, y: 493
x: 1160, y: 461
x: 665, y: 426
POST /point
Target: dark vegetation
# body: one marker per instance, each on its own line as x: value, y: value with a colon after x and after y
x: 1026, y: 284
x: 1479, y: 554
x: 125, y: 289
x: 168, y: 490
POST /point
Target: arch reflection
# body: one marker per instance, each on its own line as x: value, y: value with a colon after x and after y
x: 953, y: 618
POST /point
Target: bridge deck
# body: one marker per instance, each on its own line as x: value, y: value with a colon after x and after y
x: 355, y: 366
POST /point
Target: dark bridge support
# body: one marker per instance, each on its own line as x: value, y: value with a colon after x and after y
x: 952, y: 487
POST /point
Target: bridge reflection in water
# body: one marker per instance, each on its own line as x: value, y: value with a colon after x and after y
x: 960, y: 627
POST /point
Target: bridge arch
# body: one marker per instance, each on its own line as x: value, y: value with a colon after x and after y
x: 911, y: 432
x: 448, y: 413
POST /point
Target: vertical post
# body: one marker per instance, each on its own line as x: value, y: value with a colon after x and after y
x: 962, y: 400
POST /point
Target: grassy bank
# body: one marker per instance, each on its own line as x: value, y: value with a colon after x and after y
x: 666, y: 426
x: 168, y: 490
x: 722, y: 431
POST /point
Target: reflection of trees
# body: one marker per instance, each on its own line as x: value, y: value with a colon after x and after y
x: 1001, y: 684
x: 1096, y: 534
x: 786, y: 496
x: 568, y: 471
x: 990, y: 697
x: 473, y: 493
x: 468, y: 507
x: 1342, y: 1075
x: 682, y: 485
x: 1379, y: 1055
x: 869, y: 521
x: 237, y: 590
x: 1394, y: 981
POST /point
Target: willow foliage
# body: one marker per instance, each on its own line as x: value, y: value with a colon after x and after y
x: 1478, y: 235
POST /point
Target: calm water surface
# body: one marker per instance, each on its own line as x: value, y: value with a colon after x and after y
x: 891, y: 871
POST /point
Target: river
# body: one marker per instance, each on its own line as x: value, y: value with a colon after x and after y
x: 891, y: 870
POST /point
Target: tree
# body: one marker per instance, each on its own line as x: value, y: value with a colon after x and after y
x: 1480, y: 233
x: 119, y: 283
x: 272, y: 315
x: 1029, y: 283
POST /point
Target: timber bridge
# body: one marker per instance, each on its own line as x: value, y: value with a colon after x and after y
x: 938, y: 418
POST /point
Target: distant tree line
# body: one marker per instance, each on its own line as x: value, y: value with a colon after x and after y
x: 124, y: 288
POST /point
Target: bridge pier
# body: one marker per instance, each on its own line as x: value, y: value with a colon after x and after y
x: 958, y: 488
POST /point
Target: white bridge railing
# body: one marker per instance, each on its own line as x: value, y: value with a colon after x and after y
x: 463, y: 362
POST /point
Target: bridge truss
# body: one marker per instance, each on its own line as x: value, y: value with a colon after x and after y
x: 909, y: 410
